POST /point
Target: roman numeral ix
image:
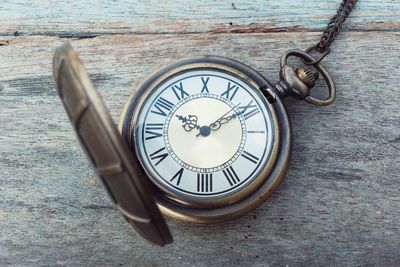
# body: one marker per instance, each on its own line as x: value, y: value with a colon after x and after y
x: 179, y: 92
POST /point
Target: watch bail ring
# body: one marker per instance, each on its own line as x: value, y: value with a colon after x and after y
x: 321, y: 69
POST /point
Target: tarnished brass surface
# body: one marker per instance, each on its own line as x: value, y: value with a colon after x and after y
x: 106, y: 149
x: 255, y: 193
x: 307, y: 75
x: 292, y: 85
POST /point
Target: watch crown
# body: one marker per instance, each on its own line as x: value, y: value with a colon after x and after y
x: 307, y: 75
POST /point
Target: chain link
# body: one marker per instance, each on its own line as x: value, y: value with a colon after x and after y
x: 334, y: 26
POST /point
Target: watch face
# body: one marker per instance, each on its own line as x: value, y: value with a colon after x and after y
x: 204, y: 133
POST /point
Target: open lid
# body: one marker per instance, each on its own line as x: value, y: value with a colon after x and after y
x: 120, y: 173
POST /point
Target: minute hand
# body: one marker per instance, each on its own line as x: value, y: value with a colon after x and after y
x: 223, y: 119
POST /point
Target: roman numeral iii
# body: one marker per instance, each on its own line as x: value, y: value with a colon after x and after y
x: 204, y: 182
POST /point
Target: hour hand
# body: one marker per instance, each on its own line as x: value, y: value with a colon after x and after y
x: 188, y: 123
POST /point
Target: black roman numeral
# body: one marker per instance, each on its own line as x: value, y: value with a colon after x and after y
x: 162, y: 105
x: 250, y: 157
x: 230, y: 91
x: 256, y: 132
x: 249, y: 110
x: 179, y: 92
x: 153, y: 130
x: 205, y: 81
x: 158, y: 155
x: 231, y: 176
x: 204, y: 182
x: 177, y: 175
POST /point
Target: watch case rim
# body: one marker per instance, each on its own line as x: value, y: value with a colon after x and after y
x: 258, y: 193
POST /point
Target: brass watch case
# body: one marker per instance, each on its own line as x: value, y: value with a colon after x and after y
x: 247, y: 199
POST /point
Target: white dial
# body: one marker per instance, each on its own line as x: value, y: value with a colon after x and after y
x: 204, y: 134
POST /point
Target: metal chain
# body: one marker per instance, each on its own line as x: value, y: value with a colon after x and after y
x: 334, y: 26
x: 308, y: 75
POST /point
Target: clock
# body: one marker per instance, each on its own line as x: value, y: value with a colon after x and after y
x: 208, y: 138
x: 203, y: 134
x: 202, y: 140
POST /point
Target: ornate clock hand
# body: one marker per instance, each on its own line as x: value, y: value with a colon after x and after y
x: 205, y: 130
x: 189, y: 123
x: 222, y: 120
x: 217, y: 124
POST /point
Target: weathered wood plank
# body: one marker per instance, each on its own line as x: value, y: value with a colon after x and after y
x: 92, y: 18
x: 339, y: 204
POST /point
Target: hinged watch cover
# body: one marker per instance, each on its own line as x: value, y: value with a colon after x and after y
x: 120, y: 173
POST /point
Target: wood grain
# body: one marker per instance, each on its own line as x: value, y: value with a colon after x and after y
x: 86, y: 19
x: 340, y: 202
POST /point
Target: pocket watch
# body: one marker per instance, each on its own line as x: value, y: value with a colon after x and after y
x: 203, y: 140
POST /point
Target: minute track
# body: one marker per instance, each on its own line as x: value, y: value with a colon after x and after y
x: 172, y: 117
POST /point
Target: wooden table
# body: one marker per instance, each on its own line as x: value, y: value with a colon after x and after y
x: 340, y: 202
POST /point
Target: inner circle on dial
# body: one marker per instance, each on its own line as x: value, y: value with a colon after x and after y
x: 213, y: 134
